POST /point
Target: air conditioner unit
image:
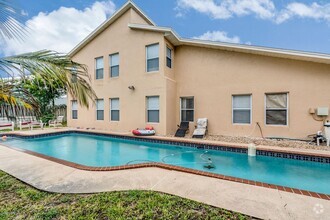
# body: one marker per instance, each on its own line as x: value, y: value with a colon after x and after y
x: 322, y: 111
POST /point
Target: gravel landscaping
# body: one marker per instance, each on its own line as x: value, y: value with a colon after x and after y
x: 266, y: 142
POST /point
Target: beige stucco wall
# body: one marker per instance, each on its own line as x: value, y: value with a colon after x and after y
x: 211, y: 76
x: 131, y: 47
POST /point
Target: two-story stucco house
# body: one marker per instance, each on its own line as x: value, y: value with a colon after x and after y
x: 144, y: 74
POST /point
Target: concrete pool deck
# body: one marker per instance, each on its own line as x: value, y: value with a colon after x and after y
x: 256, y: 201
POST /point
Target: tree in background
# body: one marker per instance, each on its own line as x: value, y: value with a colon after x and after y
x: 44, y: 95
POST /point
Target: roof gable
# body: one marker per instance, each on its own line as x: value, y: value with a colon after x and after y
x: 129, y: 5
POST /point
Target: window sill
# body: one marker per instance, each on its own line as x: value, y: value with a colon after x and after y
x: 151, y: 72
x: 284, y: 126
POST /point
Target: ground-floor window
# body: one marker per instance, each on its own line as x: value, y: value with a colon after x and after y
x: 241, y: 106
x: 153, y: 109
x: 277, y: 109
x: 187, y: 108
x: 99, y: 109
x: 74, y: 109
x: 114, y: 109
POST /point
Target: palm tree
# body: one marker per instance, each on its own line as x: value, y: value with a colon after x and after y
x: 49, y: 66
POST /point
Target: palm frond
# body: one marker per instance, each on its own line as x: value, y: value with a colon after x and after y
x: 11, y: 26
x: 53, y: 68
x: 16, y: 100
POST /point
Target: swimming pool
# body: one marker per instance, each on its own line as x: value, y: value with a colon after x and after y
x: 101, y: 151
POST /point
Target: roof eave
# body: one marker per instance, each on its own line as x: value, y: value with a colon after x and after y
x: 176, y: 40
x: 109, y: 21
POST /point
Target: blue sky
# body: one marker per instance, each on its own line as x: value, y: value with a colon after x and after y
x: 297, y: 24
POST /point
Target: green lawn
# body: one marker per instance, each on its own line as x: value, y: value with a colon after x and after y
x: 20, y: 201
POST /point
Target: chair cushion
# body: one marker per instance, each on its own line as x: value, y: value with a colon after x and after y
x: 202, y: 123
x: 36, y: 123
x: 199, y: 131
x: 6, y: 125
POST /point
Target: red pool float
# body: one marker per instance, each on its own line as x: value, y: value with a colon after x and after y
x: 148, y: 131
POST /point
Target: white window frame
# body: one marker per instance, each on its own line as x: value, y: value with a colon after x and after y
x: 99, y: 68
x: 186, y: 97
x: 110, y: 61
x: 147, y: 108
x: 72, y: 101
x: 232, y: 109
x: 111, y: 109
x: 169, y: 48
x: 287, y: 108
x: 100, y: 109
x: 74, y: 75
x: 155, y: 71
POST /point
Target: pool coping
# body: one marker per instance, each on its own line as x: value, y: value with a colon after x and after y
x: 160, y: 165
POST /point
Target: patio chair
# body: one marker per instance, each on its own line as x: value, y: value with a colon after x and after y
x: 327, y: 133
x: 201, y: 128
x: 36, y: 123
x: 6, y: 124
x: 183, y: 128
x: 23, y: 122
x: 57, y: 122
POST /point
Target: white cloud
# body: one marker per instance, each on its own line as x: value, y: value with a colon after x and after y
x: 312, y: 11
x: 219, y: 36
x: 228, y: 8
x: 59, y: 30
x: 263, y: 9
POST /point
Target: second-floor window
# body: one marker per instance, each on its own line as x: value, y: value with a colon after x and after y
x: 168, y: 57
x: 114, y: 65
x: 152, y: 57
x: 99, y: 109
x: 99, y: 66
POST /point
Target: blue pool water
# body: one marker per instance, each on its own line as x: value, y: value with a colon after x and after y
x: 98, y: 151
